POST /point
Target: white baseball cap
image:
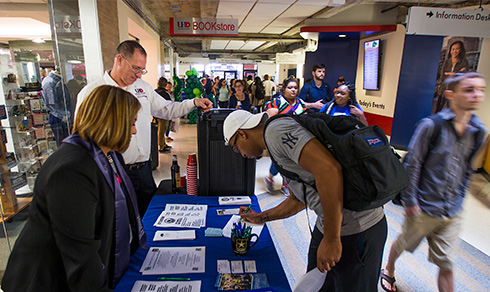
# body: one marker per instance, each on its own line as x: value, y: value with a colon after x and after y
x: 241, y: 119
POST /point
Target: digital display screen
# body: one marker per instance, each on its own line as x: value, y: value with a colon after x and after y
x: 371, y: 65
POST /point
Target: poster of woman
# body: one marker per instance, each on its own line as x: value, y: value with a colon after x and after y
x: 458, y: 54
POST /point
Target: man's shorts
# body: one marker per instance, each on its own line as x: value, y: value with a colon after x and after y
x: 441, y: 233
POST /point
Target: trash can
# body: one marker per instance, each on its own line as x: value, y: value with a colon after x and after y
x: 222, y: 172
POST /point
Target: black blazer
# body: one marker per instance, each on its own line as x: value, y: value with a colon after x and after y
x: 67, y: 242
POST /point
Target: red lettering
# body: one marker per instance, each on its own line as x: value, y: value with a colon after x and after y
x: 187, y: 24
x: 195, y: 26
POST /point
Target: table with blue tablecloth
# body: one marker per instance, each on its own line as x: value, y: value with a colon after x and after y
x: 217, y: 248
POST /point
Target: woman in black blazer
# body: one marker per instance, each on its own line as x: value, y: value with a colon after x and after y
x: 83, y: 214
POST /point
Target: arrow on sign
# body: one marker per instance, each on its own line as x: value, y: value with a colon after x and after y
x: 430, y: 14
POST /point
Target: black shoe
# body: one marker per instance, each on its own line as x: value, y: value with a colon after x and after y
x: 165, y: 149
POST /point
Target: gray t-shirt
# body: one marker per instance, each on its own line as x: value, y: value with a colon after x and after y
x: 285, y: 143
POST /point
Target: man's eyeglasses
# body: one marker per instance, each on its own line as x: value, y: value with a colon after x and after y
x: 136, y: 70
x: 234, y: 147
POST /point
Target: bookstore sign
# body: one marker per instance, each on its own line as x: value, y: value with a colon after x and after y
x: 203, y: 26
x: 442, y: 21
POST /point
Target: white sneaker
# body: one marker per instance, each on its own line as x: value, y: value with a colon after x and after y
x: 285, y: 190
x: 269, y: 184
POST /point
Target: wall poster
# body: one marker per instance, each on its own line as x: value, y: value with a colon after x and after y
x: 458, y: 54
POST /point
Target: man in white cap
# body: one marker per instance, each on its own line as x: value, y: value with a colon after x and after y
x: 358, y: 237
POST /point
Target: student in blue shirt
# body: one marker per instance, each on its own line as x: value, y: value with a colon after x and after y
x: 317, y: 92
x: 345, y: 103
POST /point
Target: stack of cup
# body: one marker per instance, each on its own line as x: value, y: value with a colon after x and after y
x: 192, y: 175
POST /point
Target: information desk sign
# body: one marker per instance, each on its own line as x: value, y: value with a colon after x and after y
x: 444, y: 21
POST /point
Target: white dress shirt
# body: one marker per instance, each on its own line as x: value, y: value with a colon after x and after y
x: 152, y: 104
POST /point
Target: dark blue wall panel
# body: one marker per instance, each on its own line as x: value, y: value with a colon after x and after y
x: 415, y: 86
x: 339, y: 57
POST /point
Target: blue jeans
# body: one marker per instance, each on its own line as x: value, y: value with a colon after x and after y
x: 273, y: 170
x: 60, y: 129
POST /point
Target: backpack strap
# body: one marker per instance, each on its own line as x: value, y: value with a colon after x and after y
x: 434, y: 139
x: 308, y: 85
x: 284, y: 172
x: 330, y: 105
x: 479, y: 136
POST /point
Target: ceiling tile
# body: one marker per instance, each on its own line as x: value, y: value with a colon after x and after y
x: 287, y: 21
x: 277, y: 1
x: 235, y: 45
x: 275, y: 30
x: 268, y: 10
x: 218, y: 45
x: 250, y: 28
x: 302, y: 10
x: 252, y: 45
x: 312, y: 2
x: 225, y: 9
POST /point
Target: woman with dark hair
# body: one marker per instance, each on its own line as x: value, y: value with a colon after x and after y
x: 223, y: 94
x: 240, y: 99
x: 83, y: 222
x: 287, y: 102
x: 345, y: 103
x: 455, y: 62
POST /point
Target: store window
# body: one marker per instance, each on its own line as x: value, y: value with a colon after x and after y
x: 41, y: 78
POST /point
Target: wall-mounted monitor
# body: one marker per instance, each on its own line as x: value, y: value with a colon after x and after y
x: 371, y: 65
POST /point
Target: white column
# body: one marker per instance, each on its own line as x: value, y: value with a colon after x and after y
x: 92, y: 48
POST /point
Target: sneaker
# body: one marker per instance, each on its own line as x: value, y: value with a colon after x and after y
x: 285, y: 190
x: 165, y: 149
x: 269, y: 185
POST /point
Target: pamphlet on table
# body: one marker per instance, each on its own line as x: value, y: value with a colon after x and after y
x: 162, y: 235
x: 241, y: 281
x: 181, y: 215
x: 174, y: 260
x: 152, y: 286
x: 235, y: 200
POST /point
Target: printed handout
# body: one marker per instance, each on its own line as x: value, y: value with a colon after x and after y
x: 174, y: 260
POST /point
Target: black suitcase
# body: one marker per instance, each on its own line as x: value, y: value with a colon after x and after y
x: 154, y: 146
x: 222, y: 172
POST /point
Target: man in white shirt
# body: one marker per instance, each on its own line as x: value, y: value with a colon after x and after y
x: 269, y: 87
x: 129, y: 66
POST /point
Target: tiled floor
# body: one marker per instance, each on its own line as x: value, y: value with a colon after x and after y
x: 476, y: 230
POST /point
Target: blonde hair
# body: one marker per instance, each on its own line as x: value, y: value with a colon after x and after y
x: 106, y: 117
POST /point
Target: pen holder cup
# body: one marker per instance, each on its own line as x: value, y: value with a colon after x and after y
x: 242, y: 245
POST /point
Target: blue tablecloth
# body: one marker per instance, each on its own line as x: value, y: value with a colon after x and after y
x: 264, y: 252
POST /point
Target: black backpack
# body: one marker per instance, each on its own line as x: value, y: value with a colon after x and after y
x: 259, y: 91
x: 372, y: 172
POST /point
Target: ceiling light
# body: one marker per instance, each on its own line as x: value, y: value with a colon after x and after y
x: 342, y: 35
x: 74, y: 61
x: 38, y: 40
